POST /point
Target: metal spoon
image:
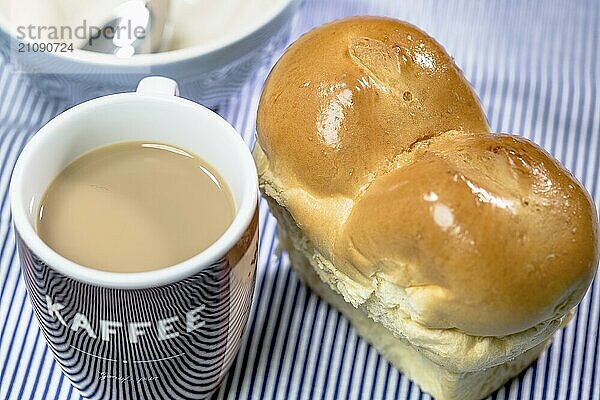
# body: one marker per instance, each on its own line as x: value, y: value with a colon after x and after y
x: 139, y: 26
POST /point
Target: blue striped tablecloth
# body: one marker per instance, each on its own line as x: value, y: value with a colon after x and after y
x: 535, y: 66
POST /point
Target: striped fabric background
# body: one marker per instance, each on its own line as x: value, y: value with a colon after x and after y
x: 535, y: 66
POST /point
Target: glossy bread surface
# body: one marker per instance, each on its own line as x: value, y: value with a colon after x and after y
x: 346, y: 98
x: 375, y: 144
x: 501, y: 231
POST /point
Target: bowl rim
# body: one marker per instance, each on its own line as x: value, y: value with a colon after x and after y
x: 171, y: 56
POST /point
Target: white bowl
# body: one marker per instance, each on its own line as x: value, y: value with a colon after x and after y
x: 207, y: 73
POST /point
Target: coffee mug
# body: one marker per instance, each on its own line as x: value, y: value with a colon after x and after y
x: 170, y: 333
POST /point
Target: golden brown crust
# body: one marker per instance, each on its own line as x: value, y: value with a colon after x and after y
x: 349, y: 96
x: 487, y: 233
x: 484, y: 233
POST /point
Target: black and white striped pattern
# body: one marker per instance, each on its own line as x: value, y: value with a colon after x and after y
x: 535, y: 67
x: 188, y: 362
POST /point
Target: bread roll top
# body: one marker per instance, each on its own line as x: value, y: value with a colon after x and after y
x: 347, y: 97
x: 378, y: 148
x: 484, y: 233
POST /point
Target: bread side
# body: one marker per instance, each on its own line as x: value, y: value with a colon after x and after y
x: 442, y: 383
x: 450, y: 348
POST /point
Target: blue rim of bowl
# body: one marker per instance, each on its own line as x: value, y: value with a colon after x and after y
x: 172, y: 56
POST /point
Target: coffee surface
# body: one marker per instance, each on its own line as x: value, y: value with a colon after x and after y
x: 134, y: 206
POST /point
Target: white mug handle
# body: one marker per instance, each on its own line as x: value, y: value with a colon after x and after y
x: 158, y: 86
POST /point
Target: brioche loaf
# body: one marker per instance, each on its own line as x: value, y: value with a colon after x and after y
x: 456, y: 252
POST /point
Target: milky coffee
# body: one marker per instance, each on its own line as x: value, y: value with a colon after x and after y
x: 134, y: 206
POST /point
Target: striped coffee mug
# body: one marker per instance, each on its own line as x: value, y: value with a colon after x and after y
x: 171, y: 333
